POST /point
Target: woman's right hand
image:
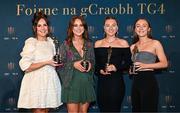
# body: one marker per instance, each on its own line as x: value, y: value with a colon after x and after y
x: 78, y: 66
x: 104, y: 72
x: 53, y: 63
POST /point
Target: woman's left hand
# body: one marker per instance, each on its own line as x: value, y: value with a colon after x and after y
x: 140, y: 66
x: 89, y: 68
x: 111, y: 67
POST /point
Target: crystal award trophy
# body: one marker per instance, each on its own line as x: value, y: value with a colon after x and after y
x: 109, y: 53
x: 85, y: 62
x: 57, y: 57
x: 133, y: 66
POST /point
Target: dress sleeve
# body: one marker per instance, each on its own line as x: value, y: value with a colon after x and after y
x: 91, y: 56
x: 66, y: 71
x: 27, y: 54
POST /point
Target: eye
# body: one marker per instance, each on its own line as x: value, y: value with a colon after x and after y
x: 81, y: 25
x: 76, y: 25
x: 137, y: 26
x: 44, y: 24
x: 114, y: 25
x: 107, y: 26
x: 38, y: 25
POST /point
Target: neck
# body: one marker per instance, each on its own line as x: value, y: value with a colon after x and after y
x: 110, y: 39
x: 78, y: 40
x: 42, y: 38
x: 144, y: 40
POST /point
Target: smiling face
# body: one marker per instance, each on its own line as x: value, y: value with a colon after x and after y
x: 142, y: 28
x: 110, y: 27
x: 42, y: 28
x: 78, y: 28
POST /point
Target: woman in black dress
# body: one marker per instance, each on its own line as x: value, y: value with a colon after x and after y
x: 145, y: 50
x: 113, y: 57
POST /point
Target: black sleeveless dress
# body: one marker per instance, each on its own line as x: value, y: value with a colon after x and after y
x: 111, y: 88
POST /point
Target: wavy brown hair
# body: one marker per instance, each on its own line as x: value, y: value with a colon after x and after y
x: 135, y: 36
x: 37, y: 16
x: 113, y: 18
x: 70, y: 33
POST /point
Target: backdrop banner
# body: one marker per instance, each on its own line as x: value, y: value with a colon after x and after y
x: 16, y: 27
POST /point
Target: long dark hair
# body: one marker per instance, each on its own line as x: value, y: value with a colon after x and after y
x: 135, y: 36
x: 70, y: 33
x: 37, y: 16
x: 108, y: 18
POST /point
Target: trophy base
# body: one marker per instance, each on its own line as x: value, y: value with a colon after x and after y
x: 133, y: 70
x: 57, y: 59
x: 85, y: 64
x: 105, y: 68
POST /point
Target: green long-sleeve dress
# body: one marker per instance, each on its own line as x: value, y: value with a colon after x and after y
x: 77, y: 87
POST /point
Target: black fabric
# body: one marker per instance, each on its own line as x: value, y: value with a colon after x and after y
x: 145, y: 92
x: 111, y: 88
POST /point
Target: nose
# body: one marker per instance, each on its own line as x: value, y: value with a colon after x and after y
x: 42, y: 27
x: 141, y: 27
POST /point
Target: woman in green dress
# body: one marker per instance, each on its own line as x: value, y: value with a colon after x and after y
x: 77, y: 80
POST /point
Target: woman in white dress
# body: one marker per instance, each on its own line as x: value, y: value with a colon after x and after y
x: 40, y: 87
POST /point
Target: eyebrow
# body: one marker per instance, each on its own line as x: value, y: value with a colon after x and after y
x: 142, y: 24
x: 77, y: 24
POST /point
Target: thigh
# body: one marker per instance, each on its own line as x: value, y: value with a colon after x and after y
x: 40, y: 110
x: 73, y: 107
x: 84, y: 107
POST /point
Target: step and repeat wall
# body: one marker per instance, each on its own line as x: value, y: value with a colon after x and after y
x: 16, y: 27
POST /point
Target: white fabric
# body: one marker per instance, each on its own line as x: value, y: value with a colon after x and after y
x: 40, y: 88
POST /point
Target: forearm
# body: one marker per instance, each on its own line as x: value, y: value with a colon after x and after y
x: 158, y: 65
x: 35, y: 66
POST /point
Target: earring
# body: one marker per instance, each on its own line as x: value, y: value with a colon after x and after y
x: 117, y: 33
x: 104, y: 33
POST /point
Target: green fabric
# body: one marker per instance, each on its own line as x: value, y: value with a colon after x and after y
x: 80, y: 91
x: 76, y: 86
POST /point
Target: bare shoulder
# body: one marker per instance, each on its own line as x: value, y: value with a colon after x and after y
x: 122, y: 42
x: 156, y: 43
x: 132, y: 46
x: 98, y: 43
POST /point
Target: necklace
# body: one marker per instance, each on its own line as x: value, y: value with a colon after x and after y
x: 107, y: 41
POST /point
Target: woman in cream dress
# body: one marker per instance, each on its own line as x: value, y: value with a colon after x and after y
x: 40, y: 87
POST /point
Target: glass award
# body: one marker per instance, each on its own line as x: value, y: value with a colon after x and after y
x: 109, y: 53
x: 85, y: 62
x: 133, y: 66
x: 57, y: 57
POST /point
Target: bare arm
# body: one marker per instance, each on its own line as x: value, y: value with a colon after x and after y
x: 97, y: 43
x: 163, y: 63
x: 35, y: 66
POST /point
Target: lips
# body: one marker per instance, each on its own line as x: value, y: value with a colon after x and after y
x: 43, y: 31
x: 78, y: 31
x: 141, y: 31
x: 111, y: 31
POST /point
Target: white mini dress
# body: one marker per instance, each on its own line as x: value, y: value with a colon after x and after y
x: 40, y: 88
